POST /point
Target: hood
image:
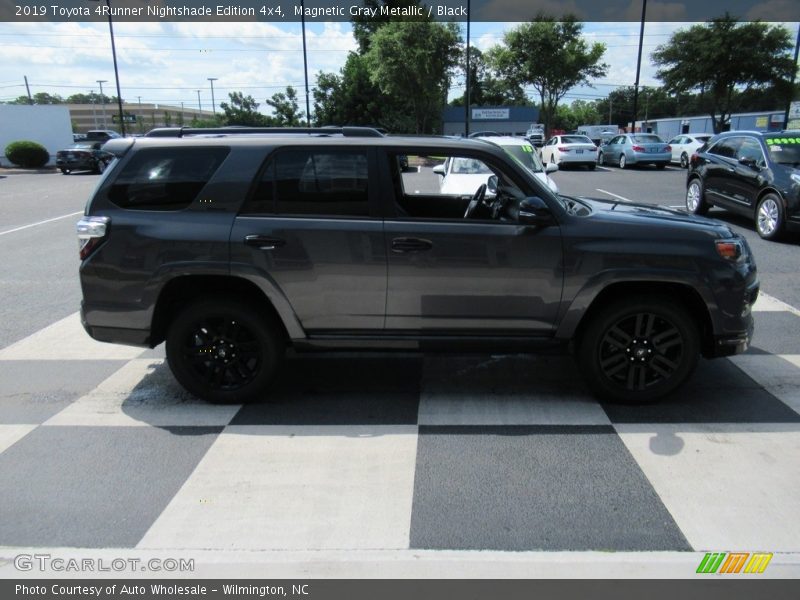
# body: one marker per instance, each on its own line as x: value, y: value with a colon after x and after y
x: 633, y: 211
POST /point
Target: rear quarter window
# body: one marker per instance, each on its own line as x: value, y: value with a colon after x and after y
x: 165, y: 178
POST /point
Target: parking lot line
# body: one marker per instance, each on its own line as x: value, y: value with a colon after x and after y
x: 599, y: 168
x: 80, y: 212
x: 614, y: 195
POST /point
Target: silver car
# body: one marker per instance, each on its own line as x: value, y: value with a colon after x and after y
x: 635, y: 149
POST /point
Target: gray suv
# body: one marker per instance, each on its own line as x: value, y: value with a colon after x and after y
x: 233, y: 245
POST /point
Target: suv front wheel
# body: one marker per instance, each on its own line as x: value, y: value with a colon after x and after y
x: 223, y: 350
x: 638, y: 350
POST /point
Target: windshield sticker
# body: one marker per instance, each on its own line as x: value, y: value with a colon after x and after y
x: 527, y: 148
x: 784, y: 141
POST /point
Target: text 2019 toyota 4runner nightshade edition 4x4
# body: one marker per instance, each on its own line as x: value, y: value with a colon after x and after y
x: 233, y: 245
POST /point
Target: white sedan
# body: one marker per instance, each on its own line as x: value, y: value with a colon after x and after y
x: 686, y: 144
x: 570, y: 149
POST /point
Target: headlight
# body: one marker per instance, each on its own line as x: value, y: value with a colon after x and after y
x: 795, y: 177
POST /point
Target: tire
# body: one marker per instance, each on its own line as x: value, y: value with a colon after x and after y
x: 622, y: 161
x: 661, y: 166
x: 638, y: 349
x: 684, y: 161
x: 591, y: 166
x: 770, y: 218
x: 202, y: 345
x: 600, y: 158
x: 65, y: 171
x: 695, y: 198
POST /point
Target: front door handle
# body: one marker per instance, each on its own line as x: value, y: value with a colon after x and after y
x: 264, y: 242
x: 404, y: 244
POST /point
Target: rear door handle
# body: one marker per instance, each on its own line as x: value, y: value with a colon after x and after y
x: 403, y: 245
x: 263, y: 242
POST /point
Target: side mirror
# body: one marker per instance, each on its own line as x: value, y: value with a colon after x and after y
x: 491, y: 184
x: 533, y: 211
x: 551, y: 168
x: 439, y: 169
x: 748, y: 162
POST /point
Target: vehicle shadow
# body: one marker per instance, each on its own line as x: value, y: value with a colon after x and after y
x: 747, y: 223
x: 409, y: 389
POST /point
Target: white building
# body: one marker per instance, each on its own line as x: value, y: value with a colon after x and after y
x: 48, y: 125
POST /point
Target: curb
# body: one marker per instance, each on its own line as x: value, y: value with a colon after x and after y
x: 19, y: 171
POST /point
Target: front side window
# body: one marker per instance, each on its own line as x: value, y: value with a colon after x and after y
x: 751, y: 150
x: 726, y: 147
x: 325, y: 183
x: 165, y: 178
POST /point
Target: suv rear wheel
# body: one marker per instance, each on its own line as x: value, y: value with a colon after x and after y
x: 769, y: 217
x: 695, y: 199
x: 639, y: 349
x: 223, y: 350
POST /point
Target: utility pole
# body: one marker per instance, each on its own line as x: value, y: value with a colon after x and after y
x: 94, y: 109
x: 103, y: 101
x: 199, y: 106
x: 467, y: 94
x: 30, y: 98
x: 610, y: 103
x: 638, y: 67
x: 305, y: 61
x: 213, y: 104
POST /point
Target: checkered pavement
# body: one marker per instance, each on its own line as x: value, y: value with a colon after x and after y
x: 101, y: 449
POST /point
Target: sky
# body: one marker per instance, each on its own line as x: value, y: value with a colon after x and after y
x: 166, y: 63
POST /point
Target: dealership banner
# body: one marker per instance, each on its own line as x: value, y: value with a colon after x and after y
x: 383, y: 10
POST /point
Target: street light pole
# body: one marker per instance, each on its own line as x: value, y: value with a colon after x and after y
x: 116, y: 70
x: 213, y: 104
x: 103, y: 101
x: 638, y: 67
x: 305, y: 61
x: 199, y: 106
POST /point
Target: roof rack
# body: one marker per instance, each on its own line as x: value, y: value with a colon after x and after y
x: 239, y: 130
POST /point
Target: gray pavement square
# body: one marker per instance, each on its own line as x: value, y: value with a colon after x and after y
x: 32, y: 391
x: 534, y: 488
x: 93, y: 487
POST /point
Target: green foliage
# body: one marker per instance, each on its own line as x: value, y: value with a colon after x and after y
x: 26, y: 154
x: 413, y: 62
x: 243, y: 110
x: 486, y: 89
x: 552, y: 57
x: 364, y: 27
x: 287, y: 112
x: 755, y: 55
x: 211, y: 122
x: 580, y: 112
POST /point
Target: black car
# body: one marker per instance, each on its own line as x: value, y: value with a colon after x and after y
x: 751, y: 173
x: 87, y: 155
x: 234, y: 246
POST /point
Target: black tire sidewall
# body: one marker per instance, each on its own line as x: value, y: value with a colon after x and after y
x: 589, y: 346
x: 702, y: 205
x: 622, y: 162
x: 264, y: 330
x: 684, y: 161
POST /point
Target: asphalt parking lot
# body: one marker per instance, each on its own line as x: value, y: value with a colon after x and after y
x: 368, y: 466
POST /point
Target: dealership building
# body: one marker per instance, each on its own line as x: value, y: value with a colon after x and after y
x: 505, y: 120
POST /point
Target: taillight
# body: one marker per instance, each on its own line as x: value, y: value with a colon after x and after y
x: 563, y: 149
x: 91, y: 233
x: 638, y: 148
x: 668, y: 148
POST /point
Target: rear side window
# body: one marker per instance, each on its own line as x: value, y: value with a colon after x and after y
x: 313, y: 182
x: 165, y: 178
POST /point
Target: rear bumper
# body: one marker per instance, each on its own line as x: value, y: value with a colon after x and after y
x: 116, y: 335
x: 647, y: 158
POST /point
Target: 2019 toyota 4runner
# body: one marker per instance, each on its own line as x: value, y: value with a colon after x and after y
x: 233, y: 245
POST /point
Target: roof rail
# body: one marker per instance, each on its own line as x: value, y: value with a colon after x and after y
x: 238, y: 130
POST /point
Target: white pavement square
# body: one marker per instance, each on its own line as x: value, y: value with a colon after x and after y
x: 66, y: 340
x: 296, y: 487
x: 11, y: 434
x: 142, y: 393
x: 728, y: 487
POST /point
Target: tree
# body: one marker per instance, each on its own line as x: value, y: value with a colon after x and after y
x: 690, y: 61
x: 551, y: 56
x: 364, y: 26
x: 243, y: 110
x: 485, y: 88
x: 413, y: 62
x: 287, y: 112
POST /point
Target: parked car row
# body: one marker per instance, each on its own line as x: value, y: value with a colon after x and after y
x: 86, y: 153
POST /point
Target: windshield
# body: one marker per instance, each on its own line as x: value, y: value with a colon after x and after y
x: 784, y: 150
x: 575, y: 139
x: 647, y: 139
x: 525, y: 155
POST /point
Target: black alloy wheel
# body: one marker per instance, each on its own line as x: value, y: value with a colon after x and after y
x: 639, y: 350
x: 223, y: 351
